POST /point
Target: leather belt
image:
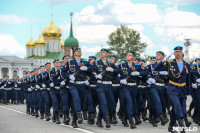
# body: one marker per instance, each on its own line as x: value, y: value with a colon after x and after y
x: 98, y: 81
x: 198, y: 84
x: 142, y: 86
x: 177, y: 84
x: 130, y: 84
x: 77, y: 82
x: 106, y: 82
x: 160, y: 84
x: 115, y: 85
x: 17, y: 88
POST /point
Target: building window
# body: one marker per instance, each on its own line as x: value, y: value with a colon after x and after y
x: 24, y: 73
x: 14, y: 73
x: 5, y: 72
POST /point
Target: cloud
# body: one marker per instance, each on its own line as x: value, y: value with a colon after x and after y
x: 181, y: 2
x: 194, y: 50
x: 58, y: 2
x: 10, y: 46
x: 11, y: 19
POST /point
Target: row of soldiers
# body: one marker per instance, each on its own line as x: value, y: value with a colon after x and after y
x: 83, y: 86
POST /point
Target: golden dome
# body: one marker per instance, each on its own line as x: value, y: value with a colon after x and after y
x: 30, y: 43
x: 62, y: 43
x: 40, y: 41
x: 51, y: 31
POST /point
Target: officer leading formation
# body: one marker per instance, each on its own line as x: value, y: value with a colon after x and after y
x: 91, y: 90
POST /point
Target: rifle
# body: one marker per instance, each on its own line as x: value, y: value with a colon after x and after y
x: 157, y: 79
x: 129, y: 78
x: 78, y: 73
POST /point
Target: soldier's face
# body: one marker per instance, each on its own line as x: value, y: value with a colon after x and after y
x: 104, y: 54
x: 197, y: 62
x: 16, y: 78
x: 159, y: 56
x: 130, y: 57
x: 78, y: 53
x: 92, y: 61
x: 142, y: 63
x: 56, y: 63
x: 36, y: 72
x: 112, y: 59
x: 153, y: 60
x: 66, y: 59
x: 28, y: 74
x: 178, y: 54
x: 48, y: 67
x: 42, y: 69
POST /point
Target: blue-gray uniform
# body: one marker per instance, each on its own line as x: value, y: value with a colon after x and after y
x: 1, y: 91
x: 17, y: 89
x: 178, y: 87
x: 7, y: 88
x: 64, y: 93
x: 34, y: 100
x: 195, y: 92
x: 77, y: 86
x: 27, y: 88
x: 104, y: 90
x: 38, y: 88
x: 130, y: 89
x: 157, y: 93
x: 46, y: 94
x: 54, y: 76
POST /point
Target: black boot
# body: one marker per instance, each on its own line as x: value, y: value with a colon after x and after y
x: 106, y: 119
x: 120, y: 115
x: 57, y: 119
x: 80, y: 118
x: 150, y: 117
x: 99, y: 122
x: 47, y: 116
x: 85, y: 117
x: 91, y: 120
x: 131, y: 122
x: 137, y: 120
x: 189, y: 112
x: 144, y: 117
x: 187, y: 123
x: 163, y: 120
x: 41, y: 115
x: 32, y: 112
x: 165, y: 116
x: 36, y: 113
x: 170, y: 128
x: 28, y: 111
x: 125, y: 122
x: 154, y: 123
x: 181, y: 124
x: 114, y: 118
x: 198, y: 122
x: 74, y: 123
x: 54, y: 118
x: 66, y: 119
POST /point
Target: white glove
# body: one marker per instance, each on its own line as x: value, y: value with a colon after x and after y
x: 9, y: 83
x: 167, y: 57
x: 62, y: 83
x: 2, y: 87
x: 110, y: 69
x: 99, y: 76
x: 51, y: 84
x: 86, y: 82
x: 37, y: 86
x: 163, y: 72
x: 43, y: 86
x: 149, y: 82
x: 71, y: 77
x: 59, y: 78
x: 135, y: 73
x: 119, y: 75
x: 19, y: 82
x: 83, y: 68
x: 123, y: 81
x: 198, y: 80
x: 194, y: 86
x: 29, y: 89
x: 152, y: 80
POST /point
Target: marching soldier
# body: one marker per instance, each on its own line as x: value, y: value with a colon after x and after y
x: 178, y: 86
x: 17, y: 89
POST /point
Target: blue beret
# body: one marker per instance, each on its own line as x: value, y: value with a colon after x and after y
x: 65, y: 56
x: 47, y: 63
x: 114, y: 57
x: 178, y: 48
x: 131, y: 51
x: 27, y: 72
x: 55, y: 60
x: 93, y: 57
x: 197, y: 59
x: 137, y: 58
x: 161, y: 52
x: 153, y: 57
x: 41, y: 66
x: 77, y: 49
x: 104, y: 49
x: 142, y: 60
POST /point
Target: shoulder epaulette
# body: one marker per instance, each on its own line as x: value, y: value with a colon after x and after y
x: 71, y: 59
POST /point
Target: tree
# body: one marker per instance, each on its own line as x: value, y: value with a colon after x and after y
x: 124, y: 39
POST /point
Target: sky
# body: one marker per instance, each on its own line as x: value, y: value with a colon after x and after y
x: 163, y: 24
